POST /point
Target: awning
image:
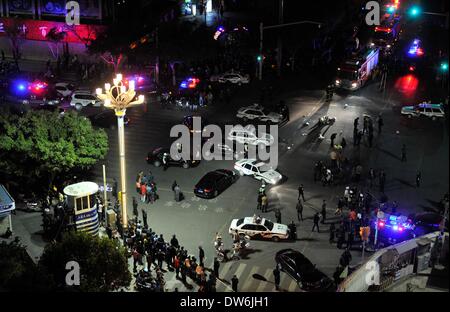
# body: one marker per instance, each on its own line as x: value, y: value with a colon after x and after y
x: 7, y: 203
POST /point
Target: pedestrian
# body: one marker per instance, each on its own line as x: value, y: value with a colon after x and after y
x: 343, y: 143
x: 292, y: 231
x: 259, y: 201
x: 299, y: 210
x: 234, y: 283
x: 176, y: 265
x: 418, y: 178
x: 365, y: 125
x: 216, y: 267
x: 332, y: 233
x: 135, y: 208
x: 264, y: 203
x: 324, y: 211
x: 355, y: 123
x: 359, y: 138
x: 144, y: 218
x: 316, y: 220
x: 333, y: 137
x: 143, y: 192
x: 380, y: 124
x: 276, y: 276
x: 114, y: 188
x: 201, y: 255
x: 301, y: 192
x: 404, y: 153
x: 174, y: 242
x: 177, y: 193
x: 278, y: 215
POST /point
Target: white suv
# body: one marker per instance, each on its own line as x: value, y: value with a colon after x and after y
x: 81, y: 99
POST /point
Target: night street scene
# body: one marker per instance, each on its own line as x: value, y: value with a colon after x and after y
x: 264, y: 147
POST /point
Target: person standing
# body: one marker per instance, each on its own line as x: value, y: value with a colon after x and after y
x: 216, y: 267
x: 333, y: 137
x: 143, y: 192
x: 356, y: 123
x: 316, y: 220
x: 114, y: 188
x: 177, y: 193
x: 404, y: 153
x: 343, y: 143
x: 324, y: 211
x: 264, y: 203
x: 301, y: 192
x: 276, y: 276
x: 418, y: 178
x: 135, y: 208
x: 380, y: 124
x: 292, y: 231
x: 299, y: 210
x: 234, y: 283
x: 278, y: 215
x: 201, y: 255
x: 144, y: 218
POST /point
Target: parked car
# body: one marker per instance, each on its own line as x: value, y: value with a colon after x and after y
x: 81, y: 99
x: 160, y: 155
x: 233, y: 78
x: 256, y: 112
x: 424, y: 109
x: 298, y: 267
x: 259, y: 229
x: 247, y: 135
x: 215, y: 182
x: 65, y: 89
x: 259, y: 170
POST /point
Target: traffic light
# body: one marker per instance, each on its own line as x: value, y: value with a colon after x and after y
x: 414, y: 11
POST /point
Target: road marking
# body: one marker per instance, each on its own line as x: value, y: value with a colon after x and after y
x: 195, y: 198
x: 240, y: 270
x: 219, y: 210
x: 262, y: 284
x: 250, y: 278
x: 202, y: 208
x: 185, y: 205
x: 169, y: 204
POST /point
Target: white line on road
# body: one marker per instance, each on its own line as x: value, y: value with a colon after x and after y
x: 250, y: 279
x: 262, y: 284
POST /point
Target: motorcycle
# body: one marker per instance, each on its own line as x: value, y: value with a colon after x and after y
x: 239, y: 246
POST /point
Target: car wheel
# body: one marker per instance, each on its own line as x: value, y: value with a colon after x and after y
x: 78, y: 106
x: 185, y: 165
x: 275, y: 239
x: 157, y: 163
x: 241, y: 236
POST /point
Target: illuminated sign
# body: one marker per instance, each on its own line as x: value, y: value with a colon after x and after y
x: 38, y: 30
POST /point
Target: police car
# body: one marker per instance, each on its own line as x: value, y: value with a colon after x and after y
x: 247, y: 135
x: 424, y: 109
x: 261, y: 228
x: 259, y: 113
x: 259, y: 170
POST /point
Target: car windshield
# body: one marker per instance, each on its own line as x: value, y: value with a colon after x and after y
x: 268, y: 224
x: 239, y: 222
x: 348, y: 75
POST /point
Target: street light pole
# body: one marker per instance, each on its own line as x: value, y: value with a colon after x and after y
x: 261, y: 40
x: 280, y: 42
x: 105, y: 198
x: 119, y: 98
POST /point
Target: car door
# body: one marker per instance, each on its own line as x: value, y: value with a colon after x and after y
x: 428, y: 112
x: 248, y: 229
x: 247, y: 168
x: 255, y: 172
x: 262, y: 230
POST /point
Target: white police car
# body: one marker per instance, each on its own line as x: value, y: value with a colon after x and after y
x: 259, y: 113
x: 259, y: 228
x: 247, y: 135
x: 259, y: 170
x: 424, y: 109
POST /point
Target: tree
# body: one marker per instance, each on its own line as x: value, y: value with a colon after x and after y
x: 16, y: 32
x: 18, y: 272
x: 103, y: 262
x: 40, y: 148
x: 55, y: 37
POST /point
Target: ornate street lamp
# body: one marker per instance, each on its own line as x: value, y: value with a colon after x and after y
x: 119, y: 98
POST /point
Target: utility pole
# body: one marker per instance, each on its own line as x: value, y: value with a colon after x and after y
x: 157, y: 56
x: 105, y: 198
x: 261, y: 40
x: 280, y: 42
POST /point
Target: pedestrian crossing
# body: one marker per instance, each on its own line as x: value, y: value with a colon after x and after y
x: 247, y: 283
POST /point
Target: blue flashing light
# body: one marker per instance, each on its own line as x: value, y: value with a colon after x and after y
x: 391, y: 9
x: 414, y: 11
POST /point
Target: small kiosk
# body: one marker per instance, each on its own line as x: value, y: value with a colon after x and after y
x: 81, y: 198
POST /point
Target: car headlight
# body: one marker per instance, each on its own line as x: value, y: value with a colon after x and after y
x: 338, y: 82
x: 388, y: 46
x: 354, y: 85
x: 372, y: 44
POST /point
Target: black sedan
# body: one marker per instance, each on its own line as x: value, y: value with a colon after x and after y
x: 161, y: 156
x: 214, y: 183
x: 297, y: 266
